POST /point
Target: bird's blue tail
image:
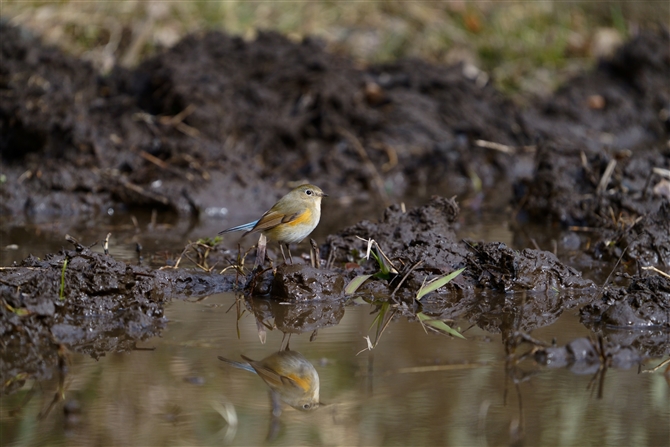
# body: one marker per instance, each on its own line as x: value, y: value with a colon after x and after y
x: 244, y: 366
x: 246, y: 227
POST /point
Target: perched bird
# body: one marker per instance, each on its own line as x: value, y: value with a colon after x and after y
x: 288, y: 374
x: 290, y: 220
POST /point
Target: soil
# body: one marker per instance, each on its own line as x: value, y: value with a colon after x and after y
x: 163, y: 135
x: 219, y: 121
x: 107, y: 306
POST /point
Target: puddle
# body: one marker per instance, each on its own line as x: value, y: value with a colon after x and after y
x: 413, y: 389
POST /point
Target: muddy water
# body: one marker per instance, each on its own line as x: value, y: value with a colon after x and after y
x: 414, y: 388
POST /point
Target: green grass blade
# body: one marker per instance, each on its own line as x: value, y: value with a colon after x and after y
x: 436, y: 284
x: 355, y: 283
x: 439, y: 325
x: 381, y: 321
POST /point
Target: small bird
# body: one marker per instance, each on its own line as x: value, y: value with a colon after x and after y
x: 287, y: 373
x: 290, y: 220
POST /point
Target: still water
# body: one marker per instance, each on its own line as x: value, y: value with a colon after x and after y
x: 415, y: 388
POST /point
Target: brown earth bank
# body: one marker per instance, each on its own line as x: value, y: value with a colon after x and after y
x: 266, y: 111
x: 218, y: 121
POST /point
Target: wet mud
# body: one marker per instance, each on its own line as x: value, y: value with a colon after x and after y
x: 424, y: 235
x: 217, y: 122
x: 87, y: 302
x: 636, y: 316
x: 603, y: 155
x: 164, y: 136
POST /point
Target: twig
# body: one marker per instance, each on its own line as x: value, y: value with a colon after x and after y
x: 197, y: 264
x: 654, y: 269
x: 177, y: 122
x: 315, y: 254
x: 105, y: 247
x: 607, y: 175
x: 434, y: 368
x: 537, y: 247
x: 602, y: 289
x: 505, y: 148
x: 662, y: 172
x: 261, y: 250
x: 411, y: 269
x: 388, y: 321
x: 390, y: 153
x: 661, y: 365
x: 176, y: 264
x: 331, y: 256
x: 584, y: 229
x: 7, y: 283
x: 144, y: 193
x: 495, y: 146
x: 26, y: 268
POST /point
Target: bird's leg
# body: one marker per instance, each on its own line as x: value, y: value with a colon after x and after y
x: 260, y: 250
x: 286, y: 338
x: 281, y: 247
x: 314, y: 254
x: 275, y: 403
x: 289, y: 253
x: 272, y: 265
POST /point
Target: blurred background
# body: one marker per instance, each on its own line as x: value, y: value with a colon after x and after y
x: 528, y: 48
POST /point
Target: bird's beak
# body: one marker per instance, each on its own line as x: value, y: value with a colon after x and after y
x: 323, y: 194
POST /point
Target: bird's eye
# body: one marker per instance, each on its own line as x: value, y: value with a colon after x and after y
x: 306, y: 406
x: 309, y: 192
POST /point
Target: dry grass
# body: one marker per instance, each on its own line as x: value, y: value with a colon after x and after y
x: 527, y: 47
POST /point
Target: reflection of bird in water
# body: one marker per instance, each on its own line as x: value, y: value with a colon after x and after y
x: 288, y: 374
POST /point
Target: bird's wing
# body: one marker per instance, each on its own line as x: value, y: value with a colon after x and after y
x: 272, y: 377
x: 271, y: 219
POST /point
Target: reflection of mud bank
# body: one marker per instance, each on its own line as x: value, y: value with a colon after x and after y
x: 93, y: 305
x: 584, y: 356
x: 637, y: 315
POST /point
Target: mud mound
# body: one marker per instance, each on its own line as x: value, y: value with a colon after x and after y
x: 645, y: 241
x: 618, y: 106
x: 637, y: 315
x: 219, y: 121
x: 600, y: 137
x: 72, y: 143
x: 645, y: 303
x: 292, y: 108
x: 424, y: 234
